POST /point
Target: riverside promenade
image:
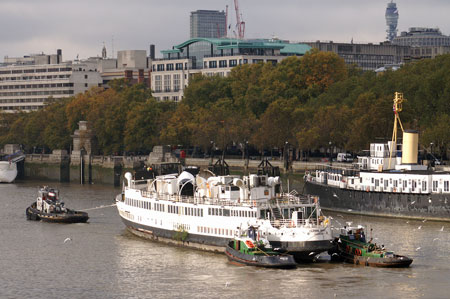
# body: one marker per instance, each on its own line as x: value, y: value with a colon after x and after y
x: 60, y: 166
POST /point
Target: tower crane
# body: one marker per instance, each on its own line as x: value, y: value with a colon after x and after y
x: 240, y: 24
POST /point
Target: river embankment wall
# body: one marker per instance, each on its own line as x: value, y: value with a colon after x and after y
x: 59, y: 166
x: 62, y: 167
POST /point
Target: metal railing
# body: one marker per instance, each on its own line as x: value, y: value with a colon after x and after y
x: 282, y: 199
x: 292, y: 223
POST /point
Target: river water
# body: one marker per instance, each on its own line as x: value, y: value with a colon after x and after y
x: 103, y: 260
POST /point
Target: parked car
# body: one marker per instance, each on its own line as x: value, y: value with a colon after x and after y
x: 344, y: 157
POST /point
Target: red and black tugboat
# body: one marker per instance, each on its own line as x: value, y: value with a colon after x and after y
x: 49, y: 208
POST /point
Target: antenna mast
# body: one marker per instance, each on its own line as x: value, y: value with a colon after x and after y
x: 397, y: 107
x: 226, y: 21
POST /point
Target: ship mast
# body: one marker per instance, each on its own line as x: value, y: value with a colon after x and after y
x: 398, y: 100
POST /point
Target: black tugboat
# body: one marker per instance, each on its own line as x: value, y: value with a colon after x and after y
x: 247, y: 250
x: 49, y: 208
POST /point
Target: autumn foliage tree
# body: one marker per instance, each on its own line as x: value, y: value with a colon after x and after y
x: 307, y: 101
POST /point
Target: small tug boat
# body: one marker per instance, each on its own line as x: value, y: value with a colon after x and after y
x: 49, y: 208
x: 249, y: 250
x: 351, y: 246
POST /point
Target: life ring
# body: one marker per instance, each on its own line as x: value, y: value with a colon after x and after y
x: 358, y: 251
x: 249, y: 244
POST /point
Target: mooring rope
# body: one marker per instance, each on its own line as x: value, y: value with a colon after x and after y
x: 100, y: 207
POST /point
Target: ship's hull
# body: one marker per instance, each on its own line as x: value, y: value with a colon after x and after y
x: 202, y: 242
x: 266, y: 261
x: 70, y: 217
x: 8, y: 171
x: 397, y: 261
x: 403, y: 205
x: 301, y: 250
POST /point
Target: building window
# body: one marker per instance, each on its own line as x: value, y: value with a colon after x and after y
x: 435, y: 186
x: 446, y: 186
x: 213, y: 64
x: 160, y: 67
x: 222, y: 63
x: 167, y: 83
x: 179, y: 66
x: 176, y: 82
x: 233, y: 62
x: 169, y: 66
x: 158, y: 83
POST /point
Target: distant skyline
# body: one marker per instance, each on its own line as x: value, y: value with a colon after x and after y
x: 81, y: 27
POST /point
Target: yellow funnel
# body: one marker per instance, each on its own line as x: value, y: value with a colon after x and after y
x: 410, y: 147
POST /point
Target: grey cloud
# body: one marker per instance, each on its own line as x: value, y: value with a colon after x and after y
x: 80, y: 27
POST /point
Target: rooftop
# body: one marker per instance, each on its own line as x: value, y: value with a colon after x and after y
x: 285, y: 48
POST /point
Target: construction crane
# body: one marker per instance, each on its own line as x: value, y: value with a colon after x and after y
x: 397, y: 107
x: 240, y: 25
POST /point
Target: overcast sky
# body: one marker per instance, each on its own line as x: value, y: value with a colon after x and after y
x: 82, y: 26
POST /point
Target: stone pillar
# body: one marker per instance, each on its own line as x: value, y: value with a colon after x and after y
x: 83, y: 148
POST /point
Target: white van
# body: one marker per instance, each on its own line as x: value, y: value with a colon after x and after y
x: 344, y: 157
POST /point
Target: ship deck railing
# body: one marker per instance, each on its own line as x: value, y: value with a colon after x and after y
x: 282, y: 199
x: 346, y: 171
x: 292, y: 223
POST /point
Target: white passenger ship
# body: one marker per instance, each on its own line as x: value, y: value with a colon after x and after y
x: 206, y: 211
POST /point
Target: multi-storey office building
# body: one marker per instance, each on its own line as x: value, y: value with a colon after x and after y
x: 368, y: 57
x: 424, y: 42
x: 419, y: 37
x: 208, y: 24
x: 209, y: 56
x: 31, y: 82
x: 132, y: 65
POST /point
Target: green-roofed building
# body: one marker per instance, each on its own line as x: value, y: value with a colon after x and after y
x: 213, y: 56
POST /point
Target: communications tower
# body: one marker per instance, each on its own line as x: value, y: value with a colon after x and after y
x: 391, y: 20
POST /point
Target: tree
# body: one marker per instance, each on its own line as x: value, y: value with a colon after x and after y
x: 438, y: 134
x: 320, y: 70
x: 142, y: 127
x: 56, y: 134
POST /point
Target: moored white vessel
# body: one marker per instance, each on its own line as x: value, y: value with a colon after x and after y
x: 8, y: 171
x: 389, y: 182
x: 206, y: 211
x: 8, y: 167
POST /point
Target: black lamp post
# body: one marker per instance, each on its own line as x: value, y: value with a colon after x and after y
x: 286, y: 156
x: 212, y: 151
x: 331, y: 158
